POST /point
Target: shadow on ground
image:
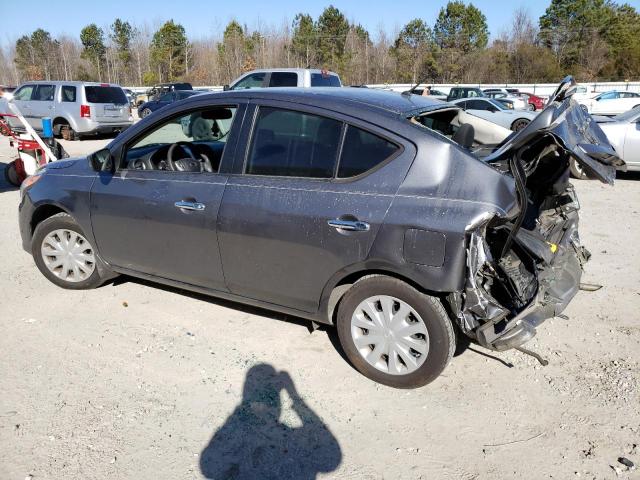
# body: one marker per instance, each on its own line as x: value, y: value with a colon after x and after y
x: 255, y: 442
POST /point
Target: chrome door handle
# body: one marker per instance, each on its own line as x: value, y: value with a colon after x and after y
x: 190, y: 206
x: 351, y: 225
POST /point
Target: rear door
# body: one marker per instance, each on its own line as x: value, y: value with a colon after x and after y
x: 108, y: 103
x: 287, y: 224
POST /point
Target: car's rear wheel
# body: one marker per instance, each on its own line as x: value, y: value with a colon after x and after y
x: 145, y: 113
x: 64, y: 255
x: 532, y: 107
x: 68, y: 133
x: 519, y: 124
x: 394, y: 334
x: 576, y: 170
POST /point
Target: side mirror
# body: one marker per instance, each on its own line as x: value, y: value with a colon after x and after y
x: 102, y: 161
x: 225, y: 88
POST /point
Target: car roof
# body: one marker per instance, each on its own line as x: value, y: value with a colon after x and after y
x: 296, y: 70
x: 74, y: 83
x: 382, y: 101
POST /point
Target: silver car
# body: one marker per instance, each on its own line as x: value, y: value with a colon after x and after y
x: 623, y: 131
x: 492, y: 110
x: 76, y: 108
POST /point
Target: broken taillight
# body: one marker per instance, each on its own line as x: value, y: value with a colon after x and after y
x: 85, y: 111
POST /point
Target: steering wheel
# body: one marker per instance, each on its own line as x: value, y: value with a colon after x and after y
x: 185, y: 147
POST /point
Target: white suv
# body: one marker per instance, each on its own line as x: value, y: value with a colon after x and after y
x: 285, y: 77
x: 75, y: 108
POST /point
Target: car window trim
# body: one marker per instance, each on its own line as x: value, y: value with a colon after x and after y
x: 313, y: 110
x: 123, y: 148
x: 371, y: 171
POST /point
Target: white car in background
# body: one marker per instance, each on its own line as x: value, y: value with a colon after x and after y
x: 611, y: 103
x: 623, y: 132
x: 495, y: 112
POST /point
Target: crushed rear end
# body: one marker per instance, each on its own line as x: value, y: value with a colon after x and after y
x: 527, y: 267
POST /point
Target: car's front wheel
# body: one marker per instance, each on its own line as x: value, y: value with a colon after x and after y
x: 64, y: 255
x: 519, y: 124
x: 394, y: 334
x: 145, y: 112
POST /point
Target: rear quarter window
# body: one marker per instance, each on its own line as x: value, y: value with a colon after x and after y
x: 363, y: 151
x: 99, y: 94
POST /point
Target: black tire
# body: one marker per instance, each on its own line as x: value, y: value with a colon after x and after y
x: 65, y: 221
x: 577, y: 171
x: 11, y: 175
x: 519, y: 124
x: 442, y: 340
x: 532, y: 107
x: 68, y: 133
x: 145, y: 113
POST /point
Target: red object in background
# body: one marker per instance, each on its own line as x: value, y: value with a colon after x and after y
x: 85, y: 111
x: 534, y: 100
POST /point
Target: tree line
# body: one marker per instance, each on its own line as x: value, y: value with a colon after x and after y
x: 595, y: 40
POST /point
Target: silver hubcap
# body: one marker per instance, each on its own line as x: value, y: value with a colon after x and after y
x: 68, y: 255
x: 390, y: 335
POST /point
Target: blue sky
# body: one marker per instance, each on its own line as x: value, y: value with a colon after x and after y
x: 205, y: 18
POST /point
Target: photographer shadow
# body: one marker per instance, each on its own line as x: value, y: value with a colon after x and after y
x: 255, y: 443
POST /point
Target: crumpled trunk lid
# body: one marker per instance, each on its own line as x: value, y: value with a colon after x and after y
x: 572, y: 129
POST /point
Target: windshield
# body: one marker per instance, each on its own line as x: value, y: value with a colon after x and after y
x: 629, y: 115
x: 99, y: 94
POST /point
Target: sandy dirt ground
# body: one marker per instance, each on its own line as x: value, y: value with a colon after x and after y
x: 137, y: 381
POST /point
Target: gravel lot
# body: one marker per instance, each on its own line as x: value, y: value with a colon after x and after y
x: 134, y: 380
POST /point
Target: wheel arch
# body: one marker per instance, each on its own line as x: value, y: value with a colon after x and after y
x: 44, y: 211
x: 59, y: 121
x: 336, y: 288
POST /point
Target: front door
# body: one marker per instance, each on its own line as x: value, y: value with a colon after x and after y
x: 286, y: 225
x: 41, y: 105
x: 157, y: 214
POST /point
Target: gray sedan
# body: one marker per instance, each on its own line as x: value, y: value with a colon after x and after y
x: 357, y: 208
x: 496, y: 112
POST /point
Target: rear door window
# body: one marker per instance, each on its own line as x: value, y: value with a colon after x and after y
x: 100, y: 94
x: 68, y: 93
x: 293, y: 144
x: 283, y: 79
x: 478, y: 105
x: 43, y: 93
x: 363, y: 151
x: 326, y: 80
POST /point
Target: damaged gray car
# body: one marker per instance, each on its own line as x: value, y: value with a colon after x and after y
x: 406, y: 222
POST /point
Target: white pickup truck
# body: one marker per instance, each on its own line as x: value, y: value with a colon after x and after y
x: 285, y: 77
